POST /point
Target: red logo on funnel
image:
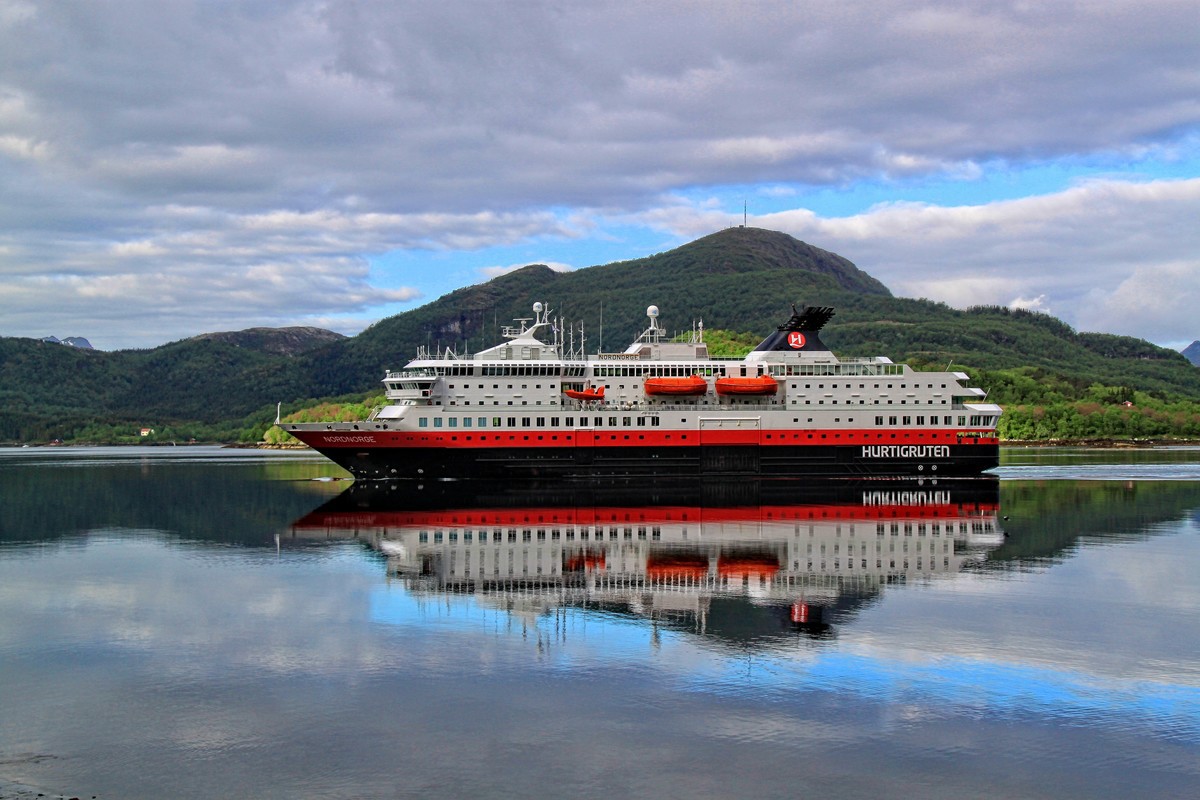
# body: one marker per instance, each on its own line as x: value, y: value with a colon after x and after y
x: 796, y: 340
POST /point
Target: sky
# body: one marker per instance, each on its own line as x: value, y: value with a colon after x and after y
x: 175, y: 168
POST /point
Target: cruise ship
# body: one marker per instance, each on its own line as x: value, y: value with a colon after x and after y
x: 535, y: 407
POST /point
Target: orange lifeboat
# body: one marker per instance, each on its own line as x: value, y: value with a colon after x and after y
x: 677, y: 567
x: 760, y: 386
x: 587, y: 394
x: 747, y: 567
x: 677, y: 387
x: 584, y: 562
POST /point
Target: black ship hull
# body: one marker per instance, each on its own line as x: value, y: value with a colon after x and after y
x: 503, y: 463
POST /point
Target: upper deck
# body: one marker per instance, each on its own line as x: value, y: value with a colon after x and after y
x: 529, y: 371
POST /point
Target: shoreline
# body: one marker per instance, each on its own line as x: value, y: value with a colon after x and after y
x: 1100, y: 444
x: 15, y: 790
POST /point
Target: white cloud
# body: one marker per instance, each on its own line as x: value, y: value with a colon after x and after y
x: 1112, y: 256
x: 170, y: 139
x: 1031, y: 304
x: 1158, y: 301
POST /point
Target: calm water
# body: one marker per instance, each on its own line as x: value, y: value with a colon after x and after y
x: 203, y: 623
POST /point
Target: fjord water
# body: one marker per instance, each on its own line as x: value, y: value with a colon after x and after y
x: 201, y: 622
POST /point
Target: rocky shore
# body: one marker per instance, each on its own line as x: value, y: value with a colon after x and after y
x: 20, y: 791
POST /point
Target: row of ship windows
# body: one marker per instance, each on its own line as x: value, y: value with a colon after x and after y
x: 891, y: 547
x: 707, y: 371
x: 879, y: 564
x: 677, y: 371
x: 540, y: 422
x: 794, y: 386
x: 554, y: 386
x: 572, y: 562
x: 733, y: 401
x: 976, y: 420
x: 822, y: 566
x: 499, y: 535
x: 653, y: 421
x: 919, y: 566
x: 543, y: 371
x: 655, y: 535
x: 501, y: 371
x: 844, y: 369
x: 527, y: 535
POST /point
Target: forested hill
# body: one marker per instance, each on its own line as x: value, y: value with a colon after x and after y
x: 280, y: 341
x: 741, y: 280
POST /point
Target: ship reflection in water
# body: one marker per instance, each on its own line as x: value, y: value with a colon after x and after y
x: 747, y: 561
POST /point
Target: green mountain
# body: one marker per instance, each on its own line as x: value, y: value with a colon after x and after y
x: 742, y: 280
x: 50, y: 391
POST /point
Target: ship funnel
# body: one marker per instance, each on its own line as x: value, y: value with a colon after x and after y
x: 800, y: 333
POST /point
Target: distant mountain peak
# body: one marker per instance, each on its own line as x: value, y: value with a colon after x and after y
x: 70, y: 341
x: 745, y: 249
x: 1192, y: 352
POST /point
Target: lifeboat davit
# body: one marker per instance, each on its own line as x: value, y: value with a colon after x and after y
x: 587, y: 395
x: 760, y: 385
x: 677, y: 387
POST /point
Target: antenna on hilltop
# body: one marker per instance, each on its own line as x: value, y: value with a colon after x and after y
x: 744, y: 218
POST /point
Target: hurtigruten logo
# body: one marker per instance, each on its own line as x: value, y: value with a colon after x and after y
x: 906, y: 451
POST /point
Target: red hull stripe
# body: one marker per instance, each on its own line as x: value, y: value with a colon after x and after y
x: 629, y: 438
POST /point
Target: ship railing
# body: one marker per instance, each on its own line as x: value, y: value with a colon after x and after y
x: 411, y: 374
x: 862, y: 367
